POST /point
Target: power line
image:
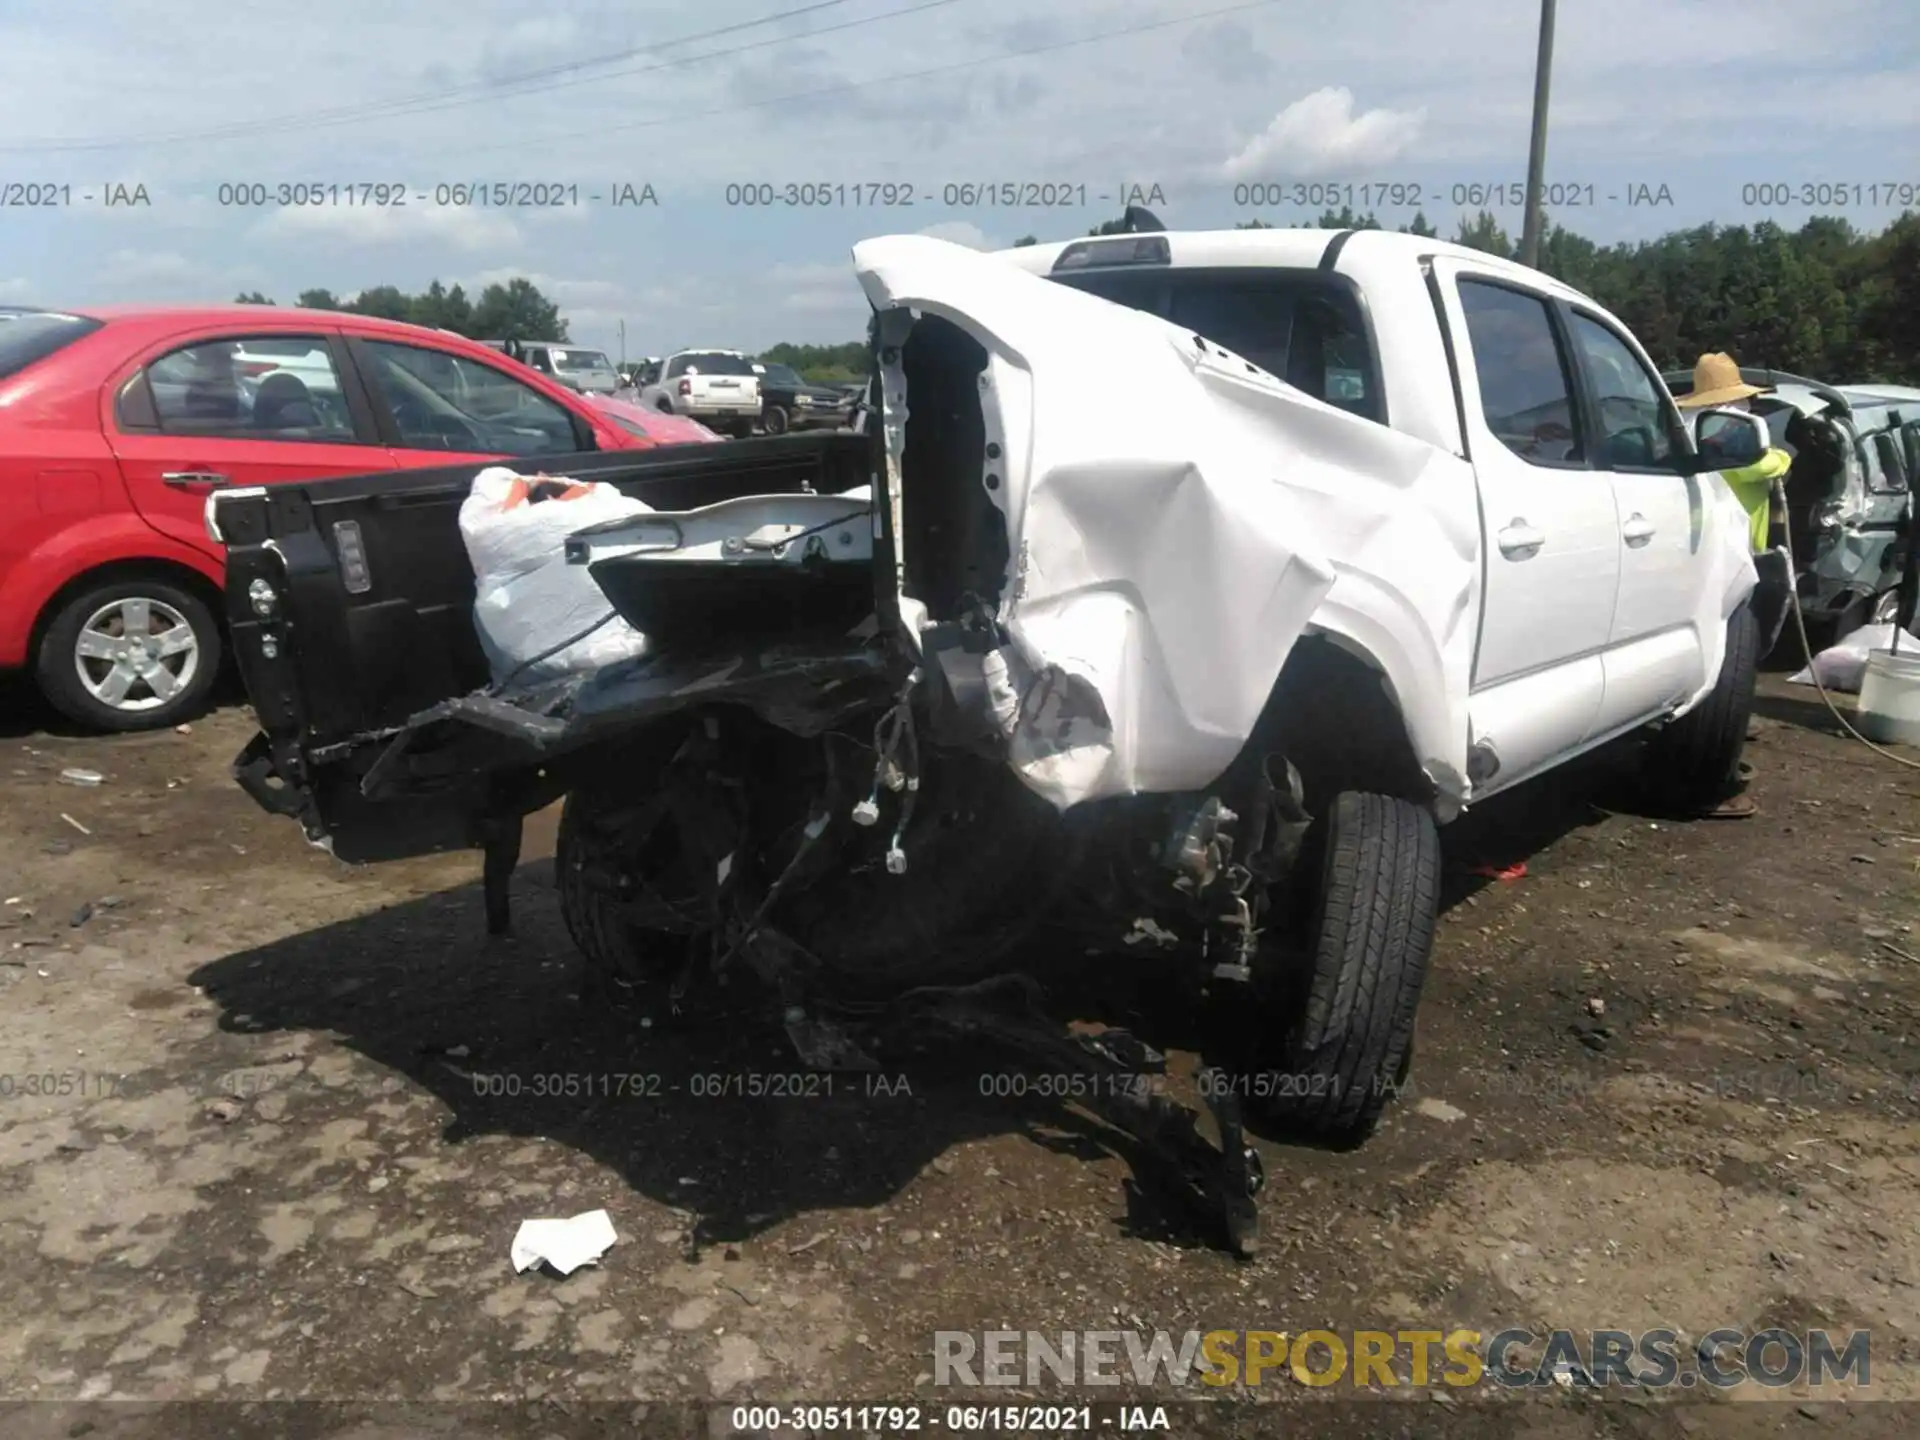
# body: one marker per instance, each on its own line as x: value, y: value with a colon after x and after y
x: 504, y: 92
x: 893, y: 78
x: 335, y: 114
x: 481, y: 92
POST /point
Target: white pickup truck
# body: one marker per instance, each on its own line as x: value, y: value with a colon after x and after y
x: 1168, y: 628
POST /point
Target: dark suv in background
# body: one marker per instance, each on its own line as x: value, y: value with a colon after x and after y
x: 789, y: 402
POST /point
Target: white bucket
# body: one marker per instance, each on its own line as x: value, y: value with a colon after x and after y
x: 1890, y: 697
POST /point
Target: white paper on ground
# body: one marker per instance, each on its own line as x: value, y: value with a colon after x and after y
x: 566, y: 1245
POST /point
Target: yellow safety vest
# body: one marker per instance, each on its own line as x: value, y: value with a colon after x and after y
x: 1752, y: 486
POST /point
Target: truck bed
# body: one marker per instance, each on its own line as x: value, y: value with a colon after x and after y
x: 372, y: 627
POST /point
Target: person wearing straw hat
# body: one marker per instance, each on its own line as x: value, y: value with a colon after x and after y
x: 1718, y: 385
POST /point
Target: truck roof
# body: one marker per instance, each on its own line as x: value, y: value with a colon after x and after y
x: 1297, y: 248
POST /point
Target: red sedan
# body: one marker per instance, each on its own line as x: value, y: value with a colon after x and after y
x: 116, y: 422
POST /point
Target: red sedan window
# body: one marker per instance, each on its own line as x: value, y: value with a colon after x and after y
x: 30, y: 335
x: 279, y: 388
x: 448, y: 402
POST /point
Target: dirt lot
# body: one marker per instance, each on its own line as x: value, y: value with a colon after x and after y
x: 247, y: 1152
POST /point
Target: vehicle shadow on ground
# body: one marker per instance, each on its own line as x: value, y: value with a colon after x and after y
x: 1808, y: 714
x: 707, y: 1109
x: 24, y: 713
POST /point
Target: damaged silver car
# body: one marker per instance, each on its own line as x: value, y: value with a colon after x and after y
x: 1856, y: 465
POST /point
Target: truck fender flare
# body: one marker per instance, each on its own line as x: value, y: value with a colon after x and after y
x: 1424, y: 675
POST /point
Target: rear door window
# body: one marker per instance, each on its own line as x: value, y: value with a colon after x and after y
x: 281, y: 387
x: 1526, y: 391
x: 27, y: 336
x: 710, y: 363
x: 1302, y: 329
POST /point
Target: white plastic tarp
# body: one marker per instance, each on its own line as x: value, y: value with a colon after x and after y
x: 538, y: 616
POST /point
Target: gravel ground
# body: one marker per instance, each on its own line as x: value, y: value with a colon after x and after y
x: 268, y: 1124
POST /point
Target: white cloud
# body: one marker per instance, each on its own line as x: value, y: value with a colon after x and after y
x: 962, y: 232
x: 152, y: 266
x: 1166, y: 106
x: 472, y: 229
x: 564, y: 292
x: 1228, y: 52
x: 1318, y: 136
x: 814, y: 289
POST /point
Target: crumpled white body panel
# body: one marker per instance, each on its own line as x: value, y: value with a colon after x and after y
x: 1177, y: 520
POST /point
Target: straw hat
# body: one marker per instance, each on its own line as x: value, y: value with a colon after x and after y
x: 1716, y: 381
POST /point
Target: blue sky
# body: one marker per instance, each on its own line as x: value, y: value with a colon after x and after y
x: 1734, y: 110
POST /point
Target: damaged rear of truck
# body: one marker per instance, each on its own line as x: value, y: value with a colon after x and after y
x: 1010, y: 675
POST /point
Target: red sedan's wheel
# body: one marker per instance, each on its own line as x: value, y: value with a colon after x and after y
x: 130, y: 655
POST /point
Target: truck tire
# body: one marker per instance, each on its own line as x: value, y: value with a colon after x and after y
x: 1695, y: 760
x: 773, y: 420
x: 1339, y: 1040
x: 1881, y: 609
x: 621, y: 960
x: 136, y: 653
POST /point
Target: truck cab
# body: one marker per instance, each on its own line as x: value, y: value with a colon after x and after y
x: 1604, y: 566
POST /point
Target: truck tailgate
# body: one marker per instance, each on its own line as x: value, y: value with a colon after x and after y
x: 732, y: 392
x: 350, y: 603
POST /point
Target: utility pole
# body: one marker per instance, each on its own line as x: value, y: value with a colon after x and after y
x: 623, y: 342
x: 1537, y: 151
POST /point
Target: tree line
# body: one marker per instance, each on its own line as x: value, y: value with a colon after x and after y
x: 1825, y: 300
x: 513, y: 311
x: 821, y: 362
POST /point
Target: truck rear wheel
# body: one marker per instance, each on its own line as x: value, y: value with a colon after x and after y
x: 1695, y: 760
x: 622, y: 959
x: 1336, y: 1037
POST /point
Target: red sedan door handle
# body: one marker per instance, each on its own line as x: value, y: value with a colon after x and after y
x: 194, y: 479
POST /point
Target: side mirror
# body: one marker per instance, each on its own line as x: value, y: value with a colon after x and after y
x: 1728, y: 440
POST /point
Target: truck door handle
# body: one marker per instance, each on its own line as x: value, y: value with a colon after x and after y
x: 1638, y: 529
x: 1519, y: 539
x: 183, y: 479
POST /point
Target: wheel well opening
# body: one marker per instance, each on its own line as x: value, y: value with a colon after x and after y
x: 187, y: 578
x: 954, y: 536
x: 1334, y: 716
